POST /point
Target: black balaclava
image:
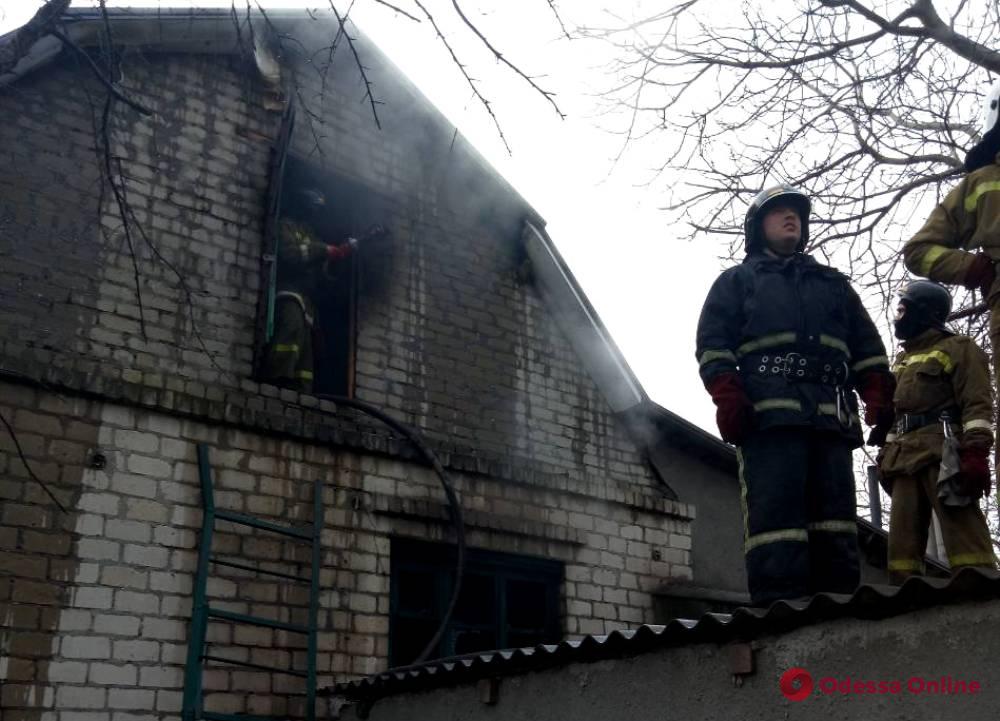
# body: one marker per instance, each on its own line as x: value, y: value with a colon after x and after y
x: 915, y: 321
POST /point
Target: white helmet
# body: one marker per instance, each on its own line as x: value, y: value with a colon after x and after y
x: 985, y: 151
x: 991, y: 108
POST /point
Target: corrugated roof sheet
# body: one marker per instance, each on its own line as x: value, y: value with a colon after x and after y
x: 868, y: 602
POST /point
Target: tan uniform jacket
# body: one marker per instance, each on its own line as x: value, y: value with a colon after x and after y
x: 968, y: 219
x: 936, y: 371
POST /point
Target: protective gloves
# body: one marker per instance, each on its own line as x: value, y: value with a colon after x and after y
x: 975, y: 480
x: 981, y: 274
x: 876, y: 390
x: 734, y: 411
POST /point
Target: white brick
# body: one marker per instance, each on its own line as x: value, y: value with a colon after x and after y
x: 107, y: 674
x: 133, y: 485
x: 161, y: 677
x: 136, y: 441
x: 149, y: 556
x: 85, y: 647
x: 131, y: 698
x: 115, y: 625
x: 148, y: 466
x: 67, y: 672
x: 92, y: 597
x: 103, y: 503
x: 136, y: 650
x: 133, y: 602
x: 98, y: 549
x: 128, y: 530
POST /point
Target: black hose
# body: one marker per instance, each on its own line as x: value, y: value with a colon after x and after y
x: 454, y: 508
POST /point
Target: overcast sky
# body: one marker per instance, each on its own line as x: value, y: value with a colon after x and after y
x: 646, y: 283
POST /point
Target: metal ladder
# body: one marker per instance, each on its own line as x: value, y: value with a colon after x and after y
x: 202, y: 612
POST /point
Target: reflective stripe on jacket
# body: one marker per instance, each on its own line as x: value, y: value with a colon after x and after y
x: 968, y: 219
x: 935, y: 371
x: 772, y: 306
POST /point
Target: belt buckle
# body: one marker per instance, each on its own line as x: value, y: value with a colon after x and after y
x: 794, y: 365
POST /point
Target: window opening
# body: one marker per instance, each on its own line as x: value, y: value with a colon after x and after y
x: 308, y: 329
x: 506, y: 600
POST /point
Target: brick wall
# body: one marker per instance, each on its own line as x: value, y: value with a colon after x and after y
x: 451, y: 339
x: 96, y: 603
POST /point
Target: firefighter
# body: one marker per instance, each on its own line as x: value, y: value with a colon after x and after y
x: 942, y: 378
x: 782, y: 342
x: 303, y: 262
x: 959, y: 243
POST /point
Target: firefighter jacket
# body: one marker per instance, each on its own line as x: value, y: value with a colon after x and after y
x: 967, y: 219
x: 300, y: 257
x: 798, y: 335
x: 935, y: 372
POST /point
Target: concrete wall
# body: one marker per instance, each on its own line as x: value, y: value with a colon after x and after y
x: 717, y: 532
x: 696, y: 683
x: 96, y: 602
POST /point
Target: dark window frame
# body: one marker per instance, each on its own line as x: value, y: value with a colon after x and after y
x: 436, y: 561
x: 353, y: 209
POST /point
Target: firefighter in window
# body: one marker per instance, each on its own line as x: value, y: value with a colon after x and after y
x: 943, y: 387
x: 305, y: 265
x: 782, y: 344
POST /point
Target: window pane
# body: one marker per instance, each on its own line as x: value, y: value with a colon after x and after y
x: 526, y: 602
x: 415, y: 592
x: 471, y: 640
x: 409, y: 636
x: 477, y: 601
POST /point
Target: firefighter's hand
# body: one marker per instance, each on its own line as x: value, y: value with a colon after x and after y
x: 734, y: 411
x: 876, y: 390
x: 975, y: 478
x: 981, y: 274
x: 878, y: 434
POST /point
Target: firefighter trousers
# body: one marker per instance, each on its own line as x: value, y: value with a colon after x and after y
x: 288, y: 359
x: 966, y: 538
x: 800, y: 527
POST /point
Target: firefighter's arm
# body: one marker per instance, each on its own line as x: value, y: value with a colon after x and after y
x: 298, y: 246
x: 867, y: 350
x: 935, y: 252
x: 974, y: 395
x: 719, y: 327
x: 719, y: 330
x: 870, y: 366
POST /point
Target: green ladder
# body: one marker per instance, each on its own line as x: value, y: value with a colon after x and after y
x: 202, y: 612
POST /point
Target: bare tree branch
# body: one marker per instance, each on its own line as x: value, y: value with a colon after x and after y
x: 499, y: 56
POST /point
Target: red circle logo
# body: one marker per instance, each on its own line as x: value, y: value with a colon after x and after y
x: 796, y: 684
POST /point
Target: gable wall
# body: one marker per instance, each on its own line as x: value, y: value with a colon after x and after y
x: 450, y: 340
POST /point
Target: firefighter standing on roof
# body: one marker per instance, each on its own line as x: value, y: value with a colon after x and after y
x: 302, y: 264
x: 782, y: 342
x: 941, y: 378
x: 960, y: 242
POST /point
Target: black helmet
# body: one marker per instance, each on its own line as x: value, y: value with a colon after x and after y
x: 931, y: 301
x: 768, y: 198
x: 311, y: 198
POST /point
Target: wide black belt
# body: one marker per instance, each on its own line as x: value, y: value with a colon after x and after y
x: 801, y: 368
x: 909, y: 422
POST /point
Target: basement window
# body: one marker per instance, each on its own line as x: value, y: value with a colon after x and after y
x: 308, y: 317
x: 507, y: 601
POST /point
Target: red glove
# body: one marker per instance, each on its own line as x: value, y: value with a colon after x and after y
x: 734, y: 411
x: 876, y: 390
x: 975, y: 470
x: 981, y: 274
x: 338, y: 252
